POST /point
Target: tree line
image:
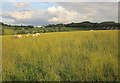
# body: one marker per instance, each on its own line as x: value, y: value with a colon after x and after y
x: 86, y: 25
x: 89, y: 25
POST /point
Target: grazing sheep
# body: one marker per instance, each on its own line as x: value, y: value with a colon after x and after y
x: 37, y: 34
x: 91, y: 30
x: 28, y: 34
x: 18, y: 36
x: 33, y: 35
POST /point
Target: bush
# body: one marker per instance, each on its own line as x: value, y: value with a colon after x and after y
x: 21, y: 32
x: 8, y: 32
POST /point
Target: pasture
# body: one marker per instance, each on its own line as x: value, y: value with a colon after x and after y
x: 61, y: 56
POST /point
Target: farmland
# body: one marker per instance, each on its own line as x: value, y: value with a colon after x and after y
x: 61, y: 56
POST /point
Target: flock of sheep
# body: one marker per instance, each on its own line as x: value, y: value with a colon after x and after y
x: 36, y: 34
x: 20, y: 36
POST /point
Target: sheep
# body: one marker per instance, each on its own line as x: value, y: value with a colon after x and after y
x: 37, y: 34
x: 28, y: 34
x: 33, y: 35
x: 91, y: 30
x: 18, y: 36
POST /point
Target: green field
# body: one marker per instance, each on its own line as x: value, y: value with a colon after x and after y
x: 60, y: 56
x: 6, y: 30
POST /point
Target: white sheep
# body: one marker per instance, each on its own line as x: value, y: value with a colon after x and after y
x: 37, y: 34
x: 33, y: 35
x: 18, y: 36
x: 28, y: 34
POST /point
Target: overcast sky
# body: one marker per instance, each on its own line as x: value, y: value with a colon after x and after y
x: 42, y: 13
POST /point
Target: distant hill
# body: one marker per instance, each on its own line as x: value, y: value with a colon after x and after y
x: 106, y: 25
x: 86, y: 25
x: 8, y: 29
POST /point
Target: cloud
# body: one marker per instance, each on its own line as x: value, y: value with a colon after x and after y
x: 61, y: 15
x: 8, y: 20
x: 42, y: 17
x: 22, y: 4
x: 93, y: 11
x: 21, y: 15
x: 64, y: 12
x: 35, y: 17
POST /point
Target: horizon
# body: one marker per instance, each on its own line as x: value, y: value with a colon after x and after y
x: 55, y: 24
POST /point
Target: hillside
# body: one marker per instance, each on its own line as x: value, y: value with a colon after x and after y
x: 86, y: 25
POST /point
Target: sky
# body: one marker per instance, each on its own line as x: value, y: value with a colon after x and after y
x: 60, y: 0
x: 43, y: 13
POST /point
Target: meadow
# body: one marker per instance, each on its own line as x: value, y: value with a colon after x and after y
x: 61, y: 56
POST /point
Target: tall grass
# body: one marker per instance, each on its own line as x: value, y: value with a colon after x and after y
x: 8, y: 32
x: 74, y: 56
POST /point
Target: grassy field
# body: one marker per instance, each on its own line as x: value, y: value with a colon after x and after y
x: 74, y: 56
x: 22, y: 30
